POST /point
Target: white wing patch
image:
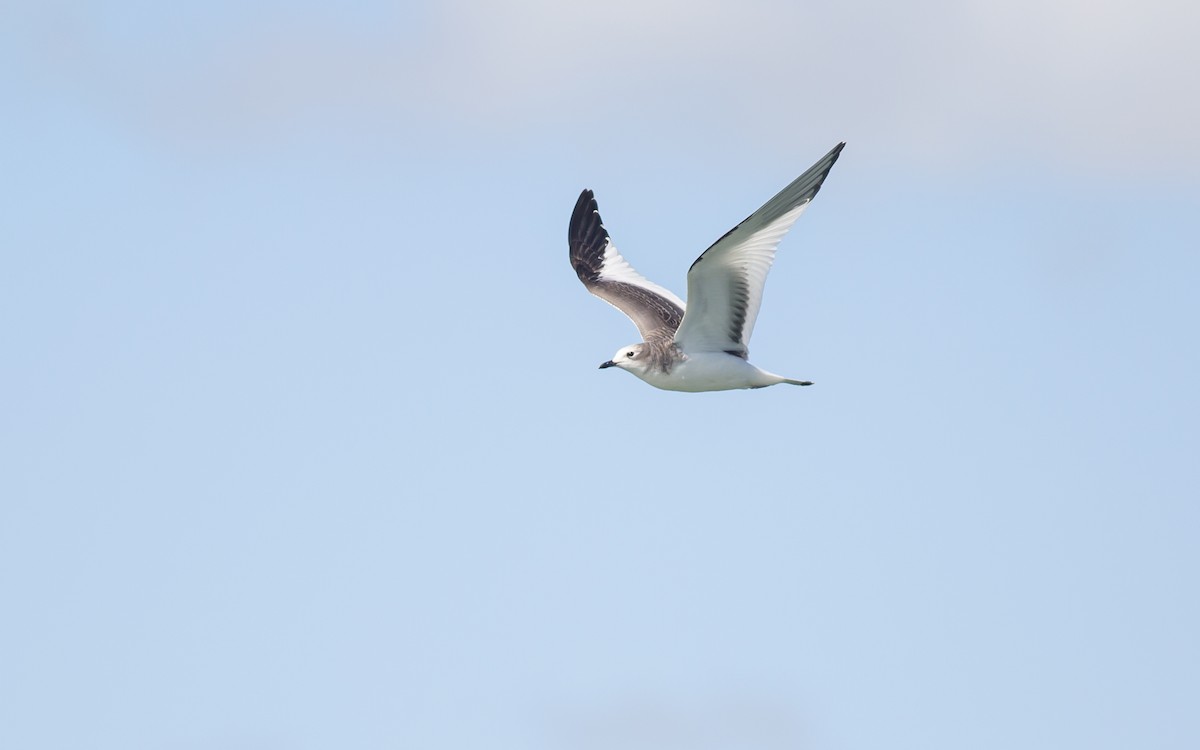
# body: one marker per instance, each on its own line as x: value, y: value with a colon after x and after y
x: 616, y: 268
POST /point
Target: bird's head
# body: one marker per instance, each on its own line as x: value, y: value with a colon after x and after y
x: 634, y: 358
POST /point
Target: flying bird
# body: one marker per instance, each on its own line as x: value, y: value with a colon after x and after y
x: 703, y: 345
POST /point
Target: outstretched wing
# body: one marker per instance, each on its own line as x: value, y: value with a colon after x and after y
x: 654, y: 310
x: 725, y: 284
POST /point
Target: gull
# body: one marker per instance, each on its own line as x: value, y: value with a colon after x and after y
x: 705, y: 348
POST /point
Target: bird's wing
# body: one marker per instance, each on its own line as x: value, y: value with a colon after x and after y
x: 654, y: 310
x: 725, y: 284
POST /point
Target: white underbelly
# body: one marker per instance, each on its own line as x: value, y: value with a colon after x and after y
x: 710, y: 371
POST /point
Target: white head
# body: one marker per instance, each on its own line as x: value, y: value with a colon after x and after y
x: 635, y: 358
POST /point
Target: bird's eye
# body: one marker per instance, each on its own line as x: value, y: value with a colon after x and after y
x: 629, y: 354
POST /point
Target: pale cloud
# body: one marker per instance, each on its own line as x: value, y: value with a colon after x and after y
x: 1087, y: 82
x: 1091, y: 81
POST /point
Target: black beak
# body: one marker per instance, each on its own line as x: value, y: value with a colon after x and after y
x: 609, y: 363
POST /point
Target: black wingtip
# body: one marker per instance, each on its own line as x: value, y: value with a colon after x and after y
x: 824, y: 167
x: 586, y: 237
x: 833, y: 155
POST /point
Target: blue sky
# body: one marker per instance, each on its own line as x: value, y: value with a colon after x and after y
x: 305, y: 446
